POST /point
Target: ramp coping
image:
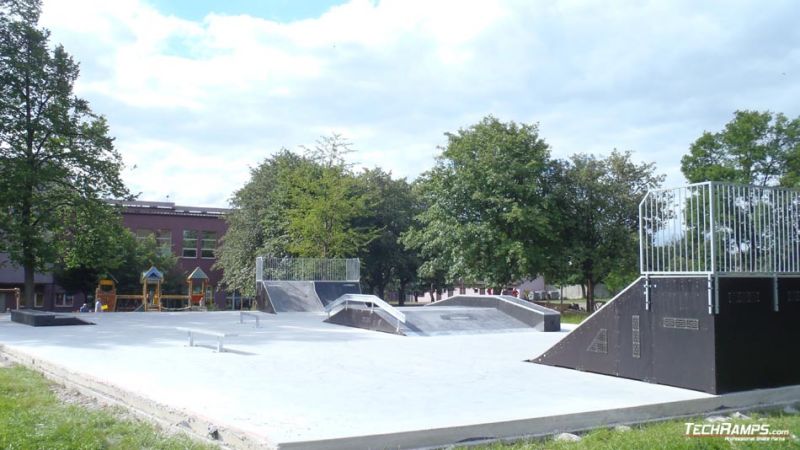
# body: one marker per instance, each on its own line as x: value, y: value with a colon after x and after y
x: 343, y: 301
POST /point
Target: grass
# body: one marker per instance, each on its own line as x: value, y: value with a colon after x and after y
x: 575, y: 317
x: 32, y: 417
x: 665, y: 435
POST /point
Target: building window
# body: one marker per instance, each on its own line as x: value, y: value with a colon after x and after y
x: 164, y: 241
x: 189, y: 244
x: 143, y: 234
x: 208, y: 244
x: 64, y: 300
x: 38, y: 300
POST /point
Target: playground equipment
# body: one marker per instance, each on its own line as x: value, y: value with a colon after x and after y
x: 151, y: 298
x: 106, y: 292
x: 197, y: 283
x: 16, y: 293
x: 151, y: 288
x: 717, y: 305
x: 304, y: 284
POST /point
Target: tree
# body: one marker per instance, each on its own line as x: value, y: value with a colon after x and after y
x: 486, y: 213
x: 55, y: 153
x: 385, y: 260
x: 295, y: 205
x: 138, y: 255
x: 327, y: 204
x: 89, y: 244
x: 257, y: 224
x: 598, y: 200
x: 759, y: 148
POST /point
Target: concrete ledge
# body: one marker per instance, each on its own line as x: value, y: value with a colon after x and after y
x: 197, y: 425
x: 193, y: 425
x: 36, y: 318
x: 544, y: 426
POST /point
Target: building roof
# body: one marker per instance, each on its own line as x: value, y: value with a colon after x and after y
x: 168, y: 208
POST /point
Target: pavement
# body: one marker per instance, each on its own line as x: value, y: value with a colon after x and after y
x: 297, y: 379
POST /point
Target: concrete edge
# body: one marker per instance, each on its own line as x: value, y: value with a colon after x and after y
x: 544, y: 426
x: 193, y: 425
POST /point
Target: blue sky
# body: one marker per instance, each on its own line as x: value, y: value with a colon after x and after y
x: 196, y: 95
x: 277, y: 10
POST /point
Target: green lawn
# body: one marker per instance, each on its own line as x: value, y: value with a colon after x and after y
x: 573, y: 316
x: 665, y: 435
x: 32, y: 417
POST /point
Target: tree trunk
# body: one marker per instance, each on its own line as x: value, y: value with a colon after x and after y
x: 401, y: 294
x: 381, y: 291
x: 590, y: 295
x: 30, y: 286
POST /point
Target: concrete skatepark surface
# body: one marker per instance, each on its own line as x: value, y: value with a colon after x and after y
x: 297, y: 379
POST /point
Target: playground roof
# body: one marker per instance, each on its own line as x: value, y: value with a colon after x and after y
x: 152, y: 274
x: 198, y: 274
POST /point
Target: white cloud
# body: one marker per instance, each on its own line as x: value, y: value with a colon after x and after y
x: 197, y: 102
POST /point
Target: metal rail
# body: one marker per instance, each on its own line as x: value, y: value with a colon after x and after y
x: 344, y: 301
x: 718, y: 228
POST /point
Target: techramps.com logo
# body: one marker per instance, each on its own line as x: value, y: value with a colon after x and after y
x: 736, y: 431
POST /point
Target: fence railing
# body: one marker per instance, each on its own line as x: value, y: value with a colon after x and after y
x: 308, y: 269
x: 717, y: 228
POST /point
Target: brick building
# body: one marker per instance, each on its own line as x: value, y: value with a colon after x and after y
x: 191, y: 233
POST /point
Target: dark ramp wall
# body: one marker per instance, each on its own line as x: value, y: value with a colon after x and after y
x: 678, y: 343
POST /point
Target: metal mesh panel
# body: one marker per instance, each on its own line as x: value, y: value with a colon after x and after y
x: 308, y: 269
x: 720, y: 228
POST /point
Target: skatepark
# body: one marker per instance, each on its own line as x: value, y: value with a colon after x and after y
x: 296, y: 380
x: 322, y: 365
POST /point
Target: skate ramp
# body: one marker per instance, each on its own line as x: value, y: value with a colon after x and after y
x: 670, y: 337
x: 535, y: 316
x: 329, y: 291
x: 292, y: 296
x: 360, y: 312
x: 445, y: 320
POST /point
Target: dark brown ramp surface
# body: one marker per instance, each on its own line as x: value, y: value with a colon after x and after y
x: 293, y: 296
x: 430, y: 321
x: 442, y: 320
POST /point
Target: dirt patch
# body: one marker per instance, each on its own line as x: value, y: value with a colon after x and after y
x: 5, y: 362
x: 70, y: 396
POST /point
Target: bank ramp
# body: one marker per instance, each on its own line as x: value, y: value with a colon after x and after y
x: 291, y: 296
x: 459, y: 316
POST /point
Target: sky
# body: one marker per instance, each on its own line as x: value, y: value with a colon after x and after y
x: 198, y: 92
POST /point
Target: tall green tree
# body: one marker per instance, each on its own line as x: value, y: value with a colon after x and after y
x: 327, y: 204
x: 55, y: 153
x: 598, y: 200
x: 760, y: 148
x: 486, y: 214
x: 309, y: 205
x: 385, y: 260
x: 258, y: 223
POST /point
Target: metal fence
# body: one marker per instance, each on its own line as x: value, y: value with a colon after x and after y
x: 308, y: 269
x: 719, y: 228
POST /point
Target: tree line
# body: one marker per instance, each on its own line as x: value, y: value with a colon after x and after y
x: 495, y: 208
